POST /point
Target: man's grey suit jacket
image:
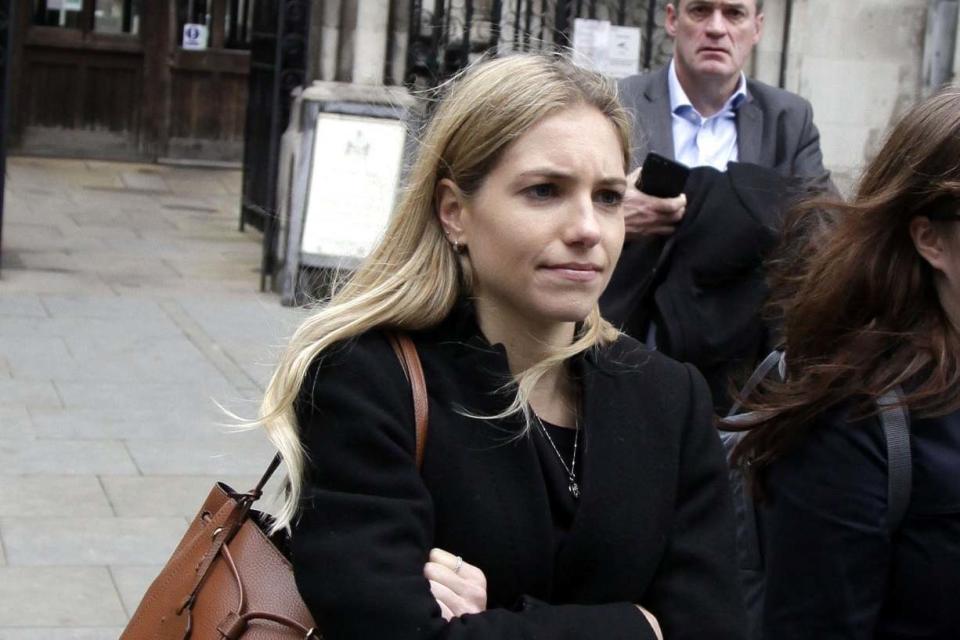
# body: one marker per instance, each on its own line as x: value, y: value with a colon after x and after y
x: 774, y: 127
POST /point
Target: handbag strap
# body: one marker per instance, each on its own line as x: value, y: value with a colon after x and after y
x: 774, y: 359
x: 406, y: 352
x: 896, y: 432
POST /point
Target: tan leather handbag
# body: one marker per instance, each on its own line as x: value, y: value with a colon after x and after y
x: 227, y: 579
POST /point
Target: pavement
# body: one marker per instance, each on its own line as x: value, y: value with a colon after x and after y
x: 129, y: 310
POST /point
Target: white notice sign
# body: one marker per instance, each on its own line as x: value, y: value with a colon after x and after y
x: 65, y: 5
x: 623, y: 53
x: 590, y: 38
x: 353, y: 184
x: 612, y: 50
x: 194, y: 36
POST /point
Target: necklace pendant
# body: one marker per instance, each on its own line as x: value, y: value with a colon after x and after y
x: 574, y: 488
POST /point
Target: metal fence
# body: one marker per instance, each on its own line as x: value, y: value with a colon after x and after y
x: 446, y: 35
x: 278, y: 59
x: 6, y: 33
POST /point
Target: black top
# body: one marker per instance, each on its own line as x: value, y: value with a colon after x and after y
x: 563, y: 505
x: 833, y: 568
x: 653, y: 525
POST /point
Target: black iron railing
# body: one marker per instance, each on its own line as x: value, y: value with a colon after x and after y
x: 278, y: 58
x: 446, y: 38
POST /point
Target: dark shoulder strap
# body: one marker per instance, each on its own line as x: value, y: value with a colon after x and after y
x: 410, y: 361
x: 773, y: 360
x: 896, y: 432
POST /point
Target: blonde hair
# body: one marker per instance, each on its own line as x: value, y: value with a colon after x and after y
x: 413, y: 277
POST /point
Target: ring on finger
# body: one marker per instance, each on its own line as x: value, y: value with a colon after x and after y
x: 459, y: 565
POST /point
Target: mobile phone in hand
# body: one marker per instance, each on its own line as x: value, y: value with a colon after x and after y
x: 662, y: 177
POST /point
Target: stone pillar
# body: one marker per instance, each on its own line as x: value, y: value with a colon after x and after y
x: 939, y: 44
x: 328, y: 21
x: 370, y: 41
x: 346, y: 47
x: 400, y: 24
x: 765, y: 65
x: 859, y: 63
x: 956, y: 56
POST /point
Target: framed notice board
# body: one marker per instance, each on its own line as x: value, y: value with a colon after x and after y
x: 353, y: 184
x: 344, y: 187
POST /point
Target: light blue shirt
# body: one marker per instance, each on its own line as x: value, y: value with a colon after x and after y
x: 699, y: 141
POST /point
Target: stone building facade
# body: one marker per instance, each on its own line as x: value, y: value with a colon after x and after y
x: 860, y: 62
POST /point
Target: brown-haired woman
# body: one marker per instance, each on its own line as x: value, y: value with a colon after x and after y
x: 867, y: 306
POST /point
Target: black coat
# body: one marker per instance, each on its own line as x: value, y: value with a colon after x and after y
x: 834, y: 569
x: 705, y: 286
x: 654, y: 523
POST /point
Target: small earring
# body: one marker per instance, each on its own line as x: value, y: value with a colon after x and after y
x: 456, y: 246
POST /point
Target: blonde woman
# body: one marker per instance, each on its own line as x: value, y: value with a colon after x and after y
x: 573, y: 485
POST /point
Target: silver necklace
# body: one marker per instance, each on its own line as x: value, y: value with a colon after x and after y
x: 571, y: 469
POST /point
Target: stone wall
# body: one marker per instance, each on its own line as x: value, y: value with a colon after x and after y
x: 859, y: 63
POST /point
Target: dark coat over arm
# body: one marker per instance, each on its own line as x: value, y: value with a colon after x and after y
x: 654, y: 523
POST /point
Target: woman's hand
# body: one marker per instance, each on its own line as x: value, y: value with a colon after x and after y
x: 652, y: 619
x: 458, y: 587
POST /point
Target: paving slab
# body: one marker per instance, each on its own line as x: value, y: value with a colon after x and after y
x: 55, y: 496
x: 182, y: 399
x: 234, y: 454
x: 30, y: 393
x: 107, y: 307
x: 129, y: 308
x: 37, y: 597
x: 22, y: 305
x: 154, y: 360
x: 15, y: 422
x: 132, y: 496
x: 108, y: 236
x: 150, y: 422
x: 21, y: 280
x: 144, y: 179
x: 29, y: 234
x: 66, y: 457
x: 200, y: 184
x: 33, y: 360
x: 85, y: 541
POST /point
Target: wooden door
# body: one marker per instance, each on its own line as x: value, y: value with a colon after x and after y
x: 208, y: 87
x: 80, y: 78
x: 115, y: 79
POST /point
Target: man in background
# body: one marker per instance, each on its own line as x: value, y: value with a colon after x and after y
x: 702, y: 111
